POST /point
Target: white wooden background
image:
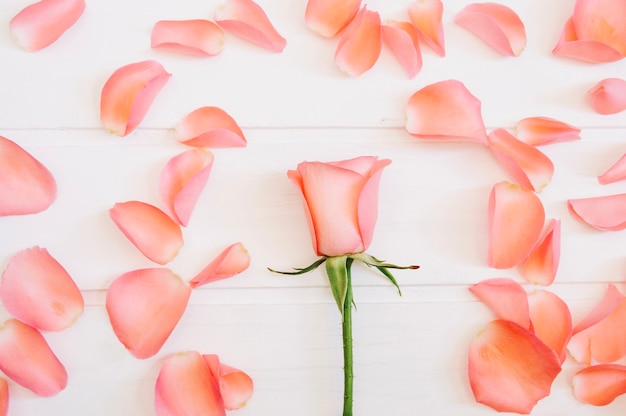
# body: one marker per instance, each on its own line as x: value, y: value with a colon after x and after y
x: 410, y: 351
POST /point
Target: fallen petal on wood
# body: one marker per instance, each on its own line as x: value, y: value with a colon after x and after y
x: 196, y: 37
x: 328, y: 17
x: 427, y: 16
x: 538, y: 131
x: 606, y: 213
x: 360, y: 43
x: 210, y: 127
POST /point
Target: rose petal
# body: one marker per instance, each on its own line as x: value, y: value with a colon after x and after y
x: 236, y: 387
x: 403, y: 40
x: 182, y: 181
x: 600, y: 384
x: 538, y: 131
x: 551, y: 321
x: 40, y: 24
x: 193, y: 37
x: 328, y: 17
x: 427, y: 16
x: 612, y: 297
x: 541, y: 265
x: 445, y: 110
x: 27, y: 359
x: 233, y: 260
x: 530, y: 168
x: 4, y: 397
x: 616, y: 172
x: 26, y: 186
x: 608, y: 96
x: 506, y: 298
x: 603, y: 21
x: 128, y: 94
x: 603, y: 212
x: 570, y: 46
x: 144, y: 306
x: 368, y: 200
x: 38, y: 291
x: 210, y: 127
x: 155, y: 234
x: 360, y: 44
x: 246, y: 19
x: 510, y: 369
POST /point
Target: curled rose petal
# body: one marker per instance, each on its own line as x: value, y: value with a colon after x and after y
x: 27, y: 359
x: 193, y: 37
x: 233, y: 260
x: 538, y: 131
x: 510, y: 369
x: 38, y: 291
x: 155, y: 234
x: 603, y: 212
x: 616, y: 172
x: 40, y: 24
x: 612, y: 297
x: 26, y: 186
x: 542, y: 263
x: 600, y: 384
x: 506, y: 298
x: 128, y: 93
x: 495, y: 24
x: 246, y: 19
x: 328, y: 17
x: 210, y: 127
x: 4, y: 397
x: 144, y: 307
x: 608, y: 96
x: 445, y: 110
x: 427, y: 16
x: 570, y: 46
x: 516, y: 218
x: 236, y: 386
x: 182, y: 181
x: 360, y: 43
x: 551, y: 321
x: 403, y: 40
x: 603, y: 21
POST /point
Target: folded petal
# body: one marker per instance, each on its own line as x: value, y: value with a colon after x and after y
x: 128, y: 94
x: 197, y: 37
x: 616, y: 172
x: 182, y: 181
x: 542, y: 263
x: 360, y: 43
x: 516, y: 218
x: 403, y: 40
x: 38, y: 291
x: 588, y: 50
x: 603, y: 21
x: 600, y: 384
x: 612, y: 297
x: 445, y: 110
x: 26, y: 186
x: 506, y: 298
x: 233, y: 260
x: 328, y: 17
x: 530, y: 167
x: 246, y: 19
x: 236, y: 386
x: 495, y: 24
x: 427, y: 16
x: 144, y: 307
x: 608, y: 96
x: 538, y: 131
x: 551, y: 321
x: 27, y: 359
x: 510, y: 369
x: 4, y: 397
x: 210, y: 127
x: 40, y: 24
x: 155, y: 234
x: 603, y: 212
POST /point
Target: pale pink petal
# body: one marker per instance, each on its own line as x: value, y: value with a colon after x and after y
x: 530, y: 168
x: 27, y: 359
x: 516, y: 218
x: 608, y: 96
x: 236, y: 386
x: 26, y: 186
x: 144, y: 306
x: 538, y: 131
x: 233, y: 260
x: 368, y: 200
x: 246, y: 19
x: 40, y: 24
x: 360, y: 44
x: 542, y: 263
x: 603, y: 21
x: 612, y: 297
x: 616, y: 172
x: 38, y: 291
x: 128, y: 94
x: 210, y: 127
x: 506, y: 298
x: 602, y: 212
x: 402, y: 39
x: 427, y: 16
x: 600, y: 384
x: 155, y: 234
x: 551, y: 321
x: 193, y: 37
x: 495, y: 24
x: 445, y: 110
x: 182, y: 181
x: 510, y: 369
x: 185, y: 386
x: 4, y: 397
x: 328, y: 17
x: 593, y: 51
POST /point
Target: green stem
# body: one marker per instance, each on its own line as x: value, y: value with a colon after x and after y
x: 346, y: 327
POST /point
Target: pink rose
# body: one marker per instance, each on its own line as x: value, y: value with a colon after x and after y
x: 341, y: 202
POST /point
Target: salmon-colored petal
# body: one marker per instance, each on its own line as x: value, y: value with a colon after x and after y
x: 538, y: 131
x: 495, y: 24
x: 37, y: 290
x: 210, y: 127
x: 403, y: 40
x: 602, y: 212
x: 608, y: 96
x: 233, y: 260
x: 368, y: 199
x: 587, y: 50
x: 542, y: 263
x: 182, y: 181
x: 616, y: 172
x: 128, y: 94
x: 26, y: 186
x: 4, y: 397
x: 185, y: 386
x: 40, y: 24
x: 427, y: 16
x: 516, y: 218
x: 445, y: 110
x: 510, y: 369
x: 530, y: 167
x: 155, y: 234
x: 144, y: 306
x: 246, y: 19
x: 600, y: 384
x: 612, y: 297
x: 603, y: 21
x: 236, y: 386
x: 328, y: 17
x: 197, y: 37
x: 360, y: 44
x: 27, y: 359
x: 506, y: 298
x: 551, y: 321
